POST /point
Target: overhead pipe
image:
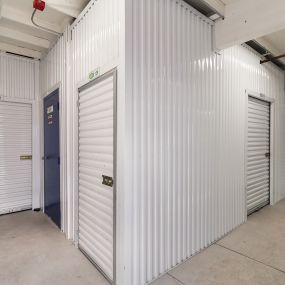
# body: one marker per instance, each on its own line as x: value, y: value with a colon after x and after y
x: 272, y: 58
x: 40, y: 5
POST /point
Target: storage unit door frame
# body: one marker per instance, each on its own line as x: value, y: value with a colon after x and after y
x: 111, y: 74
x: 18, y: 163
x: 258, y: 186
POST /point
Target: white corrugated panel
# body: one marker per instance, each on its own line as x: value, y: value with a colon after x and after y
x: 17, y: 77
x: 258, y: 152
x: 95, y: 160
x: 95, y: 38
x: 54, y: 74
x: 94, y: 43
x: 186, y: 117
x: 186, y: 120
x: 15, y: 140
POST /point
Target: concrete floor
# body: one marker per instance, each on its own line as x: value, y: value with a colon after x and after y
x: 34, y: 252
x: 253, y: 254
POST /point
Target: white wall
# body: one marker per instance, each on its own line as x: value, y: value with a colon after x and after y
x: 17, y: 77
x: 95, y: 45
x: 53, y: 75
x: 95, y: 40
x: 186, y: 128
x: 181, y: 182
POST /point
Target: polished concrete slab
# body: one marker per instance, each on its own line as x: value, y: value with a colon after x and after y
x: 253, y: 254
x: 34, y: 252
x: 262, y: 237
x: 166, y: 280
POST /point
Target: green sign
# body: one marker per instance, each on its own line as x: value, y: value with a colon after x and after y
x: 94, y: 74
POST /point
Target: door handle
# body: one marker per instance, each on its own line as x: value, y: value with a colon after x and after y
x: 26, y: 157
x: 267, y: 155
x: 107, y: 180
x: 48, y: 157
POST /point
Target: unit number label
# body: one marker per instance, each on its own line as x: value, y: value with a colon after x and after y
x: 50, y: 109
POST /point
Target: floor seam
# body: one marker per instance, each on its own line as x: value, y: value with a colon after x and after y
x: 175, y: 278
x: 258, y: 261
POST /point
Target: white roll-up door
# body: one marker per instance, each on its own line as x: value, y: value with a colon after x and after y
x: 96, y: 172
x: 258, y: 162
x: 15, y: 157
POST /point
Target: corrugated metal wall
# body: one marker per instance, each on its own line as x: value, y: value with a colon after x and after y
x: 54, y: 74
x: 92, y: 42
x: 187, y: 113
x: 17, y: 77
x: 95, y: 44
x: 95, y: 38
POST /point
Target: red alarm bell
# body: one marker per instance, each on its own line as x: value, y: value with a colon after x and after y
x: 39, y: 5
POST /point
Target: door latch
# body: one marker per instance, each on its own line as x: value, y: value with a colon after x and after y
x: 107, y: 180
x: 26, y: 157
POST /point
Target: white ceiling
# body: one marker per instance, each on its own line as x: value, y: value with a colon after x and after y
x: 19, y: 35
x: 274, y: 42
x: 228, y: 1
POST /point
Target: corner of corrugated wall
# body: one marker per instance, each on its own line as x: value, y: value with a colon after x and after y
x: 97, y: 42
x: 186, y: 134
x: 54, y: 74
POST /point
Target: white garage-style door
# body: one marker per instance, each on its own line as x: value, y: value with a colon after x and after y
x: 258, y: 162
x: 96, y: 172
x: 15, y: 157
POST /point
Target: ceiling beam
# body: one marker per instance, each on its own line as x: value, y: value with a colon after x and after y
x: 273, y: 58
x: 267, y: 45
x: 216, y: 5
x: 24, y: 38
x: 67, y: 7
x: 246, y: 20
x: 20, y: 50
x: 15, y: 15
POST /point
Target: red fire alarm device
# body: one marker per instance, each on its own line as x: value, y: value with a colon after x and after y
x: 39, y: 5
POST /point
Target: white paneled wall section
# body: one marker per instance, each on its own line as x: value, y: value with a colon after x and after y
x: 186, y: 109
x: 181, y: 152
x: 53, y: 75
x: 94, y: 45
x: 17, y: 77
x: 92, y: 42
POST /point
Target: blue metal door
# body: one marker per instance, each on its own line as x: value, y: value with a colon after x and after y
x: 52, y: 157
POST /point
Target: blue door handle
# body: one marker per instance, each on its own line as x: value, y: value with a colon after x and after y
x: 48, y: 157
